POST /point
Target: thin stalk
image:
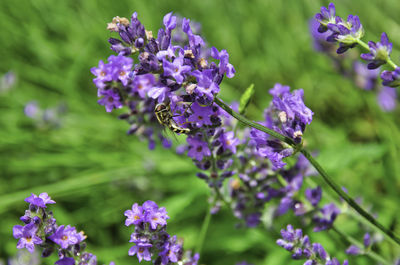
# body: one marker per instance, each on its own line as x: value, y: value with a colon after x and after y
x: 335, y: 187
x: 373, y: 255
x: 203, y: 232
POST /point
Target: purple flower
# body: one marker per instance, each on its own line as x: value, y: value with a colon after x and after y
x: 171, y: 251
x: 293, y: 106
x: 353, y: 250
x: 205, y: 84
x: 169, y: 22
x: 121, y: 67
x: 40, y: 201
x: 326, y: 16
x: 378, y: 52
x: 328, y: 215
x: 201, y: 115
x: 367, y: 240
x: 159, y: 92
x: 274, y: 150
x: 141, y: 84
x: 156, y: 217
x: 194, y: 40
x: 294, y: 241
x: 103, y: 74
x: 229, y: 141
x: 347, y: 33
x: 176, y: 69
x: 134, y: 216
x: 66, y: 236
x: 65, y: 261
x: 387, y: 98
x: 27, y: 236
x: 111, y: 99
x: 224, y: 66
x: 391, y: 78
x: 197, y: 148
x: 31, y: 109
x: 142, y: 251
x: 314, y: 195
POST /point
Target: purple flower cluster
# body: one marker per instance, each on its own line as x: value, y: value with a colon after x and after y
x: 364, y: 76
x: 41, y: 230
x: 347, y: 33
x: 287, y: 115
x: 294, y: 241
x: 152, y: 242
x: 180, y: 72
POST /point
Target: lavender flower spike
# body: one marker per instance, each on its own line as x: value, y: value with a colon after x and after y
x: 40, y: 201
x: 378, y: 52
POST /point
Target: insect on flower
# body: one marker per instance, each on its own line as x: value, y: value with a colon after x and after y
x: 165, y: 118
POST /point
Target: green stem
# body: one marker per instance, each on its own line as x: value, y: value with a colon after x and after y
x: 373, y: 255
x: 335, y: 187
x: 203, y: 232
x: 252, y: 124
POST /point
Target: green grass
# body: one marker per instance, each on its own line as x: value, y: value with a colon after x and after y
x: 95, y: 171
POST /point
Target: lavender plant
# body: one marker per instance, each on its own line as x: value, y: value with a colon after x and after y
x: 171, y: 82
x: 150, y: 237
x: 181, y: 93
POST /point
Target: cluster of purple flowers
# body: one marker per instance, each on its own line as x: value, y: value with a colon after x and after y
x: 179, y: 71
x: 288, y: 115
x: 151, y: 240
x: 327, y: 28
x: 41, y: 230
x: 294, y: 241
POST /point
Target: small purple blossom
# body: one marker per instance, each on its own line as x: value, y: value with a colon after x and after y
x: 197, y: 148
x: 142, y: 252
x: 66, y: 236
x: 378, y: 52
x: 294, y: 241
x: 142, y: 83
x: 201, y: 115
x: 224, y: 66
x: 27, y: 236
x: 327, y: 15
x: 40, y: 201
x: 111, y: 99
x: 65, y: 261
x: 134, y: 216
x: 314, y: 195
x: 391, y: 78
x: 326, y: 218
x: 229, y: 141
x: 353, y: 250
x: 176, y: 69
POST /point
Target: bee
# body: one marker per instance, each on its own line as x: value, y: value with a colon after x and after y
x: 165, y: 118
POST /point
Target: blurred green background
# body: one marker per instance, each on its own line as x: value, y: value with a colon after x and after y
x: 95, y: 171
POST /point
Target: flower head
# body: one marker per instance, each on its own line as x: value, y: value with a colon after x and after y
x: 66, y: 236
x: 391, y: 78
x: 40, y: 201
x: 378, y: 52
x: 27, y: 236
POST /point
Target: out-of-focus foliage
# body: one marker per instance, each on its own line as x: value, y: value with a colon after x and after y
x: 95, y: 171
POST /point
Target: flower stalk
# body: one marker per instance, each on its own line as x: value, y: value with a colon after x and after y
x: 332, y: 184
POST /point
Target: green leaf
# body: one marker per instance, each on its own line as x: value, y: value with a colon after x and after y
x: 245, y: 98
